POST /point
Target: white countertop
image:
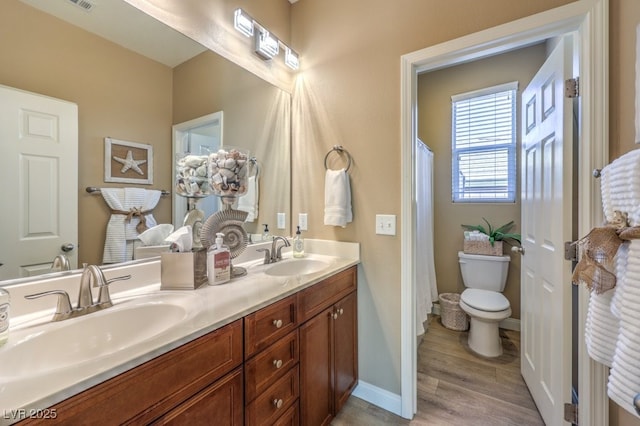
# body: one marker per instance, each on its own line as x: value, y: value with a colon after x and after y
x: 209, y: 308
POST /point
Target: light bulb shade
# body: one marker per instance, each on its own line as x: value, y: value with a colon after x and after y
x: 267, y: 45
x: 243, y: 22
x: 291, y: 59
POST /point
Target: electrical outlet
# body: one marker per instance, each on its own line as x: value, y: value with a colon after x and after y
x: 302, y: 221
x: 282, y: 220
x: 386, y: 224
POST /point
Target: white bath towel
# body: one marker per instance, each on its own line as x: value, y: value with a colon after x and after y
x: 249, y: 201
x: 122, y: 234
x: 337, y: 198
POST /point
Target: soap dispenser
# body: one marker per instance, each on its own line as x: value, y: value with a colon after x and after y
x: 298, y: 244
x: 265, y: 233
x: 218, y: 262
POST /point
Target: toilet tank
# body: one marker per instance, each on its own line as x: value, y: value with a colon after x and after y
x: 484, y: 272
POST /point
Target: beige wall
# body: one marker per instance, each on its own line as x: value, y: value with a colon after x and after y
x: 119, y: 94
x: 256, y: 117
x: 349, y: 93
x: 434, y: 128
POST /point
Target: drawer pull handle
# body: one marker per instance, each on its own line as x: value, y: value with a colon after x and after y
x: 277, y: 363
x: 277, y: 323
x: 278, y: 403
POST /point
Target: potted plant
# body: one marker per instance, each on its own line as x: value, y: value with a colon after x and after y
x: 492, y: 246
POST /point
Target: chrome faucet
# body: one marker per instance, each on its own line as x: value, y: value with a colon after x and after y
x: 60, y: 263
x: 92, y: 275
x: 275, y: 254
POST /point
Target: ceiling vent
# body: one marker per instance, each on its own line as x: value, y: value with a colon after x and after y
x: 83, y: 4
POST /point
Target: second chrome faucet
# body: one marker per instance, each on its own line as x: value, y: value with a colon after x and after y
x: 92, y: 276
x: 276, y: 251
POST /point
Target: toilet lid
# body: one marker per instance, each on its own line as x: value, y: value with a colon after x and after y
x: 485, y: 300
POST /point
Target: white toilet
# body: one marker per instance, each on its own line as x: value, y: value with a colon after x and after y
x: 484, y: 278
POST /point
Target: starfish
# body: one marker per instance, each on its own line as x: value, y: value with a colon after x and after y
x: 130, y: 163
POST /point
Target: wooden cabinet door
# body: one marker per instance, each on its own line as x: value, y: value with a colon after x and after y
x: 345, y: 349
x: 316, y: 399
x: 219, y: 404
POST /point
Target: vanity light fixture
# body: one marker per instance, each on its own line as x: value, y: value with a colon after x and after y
x: 267, y: 46
x: 291, y: 58
x: 243, y: 22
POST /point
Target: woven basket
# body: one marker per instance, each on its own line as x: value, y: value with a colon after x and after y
x: 451, y: 315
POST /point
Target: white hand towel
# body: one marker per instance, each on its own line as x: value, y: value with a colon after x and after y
x: 337, y: 198
x: 249, y: 201
x: 121, y: 236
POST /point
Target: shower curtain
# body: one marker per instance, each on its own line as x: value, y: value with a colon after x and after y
x: 426, y: 289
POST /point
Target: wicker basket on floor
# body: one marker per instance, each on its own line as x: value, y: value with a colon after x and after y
x: 451, y: 315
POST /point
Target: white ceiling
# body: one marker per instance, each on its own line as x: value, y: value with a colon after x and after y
x: 127, y: 26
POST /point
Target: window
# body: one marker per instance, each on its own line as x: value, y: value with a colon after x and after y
x: 484, y: 145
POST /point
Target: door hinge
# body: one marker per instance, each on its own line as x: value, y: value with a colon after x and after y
x: 571, y: 413
x: 572, y: 87
x: 571, y: 251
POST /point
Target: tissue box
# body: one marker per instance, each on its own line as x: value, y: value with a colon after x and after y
x: 183, y: 271
x: 483, y: 247
x: 144, y: 252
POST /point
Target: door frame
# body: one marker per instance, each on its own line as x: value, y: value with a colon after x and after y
x: 590, y: 20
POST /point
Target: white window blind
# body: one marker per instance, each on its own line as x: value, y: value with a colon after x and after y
x: 484, y: 145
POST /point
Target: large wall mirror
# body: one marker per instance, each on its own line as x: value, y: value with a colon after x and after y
x: 133, y: 79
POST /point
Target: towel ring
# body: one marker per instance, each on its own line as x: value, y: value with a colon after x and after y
x: 339, y: 149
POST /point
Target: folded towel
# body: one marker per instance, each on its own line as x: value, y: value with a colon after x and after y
x: 337, y: 198
x: 249, y: 202
x: 121, y: 230
x: 601, y: 328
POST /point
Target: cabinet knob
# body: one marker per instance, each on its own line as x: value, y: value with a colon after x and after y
x: 277, y: 363
x: 341, y: 311
x: 277, y: 323
x: 334, y: 315
x: 278, y: 403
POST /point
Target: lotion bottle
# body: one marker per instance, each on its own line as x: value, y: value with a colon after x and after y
x: 218, y: 262
x: 298, y: 244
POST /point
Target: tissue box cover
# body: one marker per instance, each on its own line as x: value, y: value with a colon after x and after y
x: 183, y: 271
x: 483, y: 247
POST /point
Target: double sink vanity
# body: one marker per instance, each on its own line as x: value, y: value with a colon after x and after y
x: 277, y: 346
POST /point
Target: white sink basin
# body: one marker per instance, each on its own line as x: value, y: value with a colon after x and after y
x: 291, y: 267
x: 68, y: 343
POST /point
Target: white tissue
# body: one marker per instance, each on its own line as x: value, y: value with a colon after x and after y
x: 182, y: 239
x: 154, y: 236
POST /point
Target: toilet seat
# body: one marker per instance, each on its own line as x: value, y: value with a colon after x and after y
x: 485, y: 300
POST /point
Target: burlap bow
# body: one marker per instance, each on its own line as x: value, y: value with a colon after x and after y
x: 598, y: 249
x: 134, y: 211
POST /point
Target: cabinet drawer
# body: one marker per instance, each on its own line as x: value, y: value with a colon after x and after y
x: 318, y: 297
x: 264, y: 368
x: 267, y: 325
x: 142, y: 394
x: 221, y: 401
x: 275, y: 400
x: 291, y: 417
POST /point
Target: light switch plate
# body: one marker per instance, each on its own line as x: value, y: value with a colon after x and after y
x: 302, y: 221
x: 282, y: 220
x: 386, y: 224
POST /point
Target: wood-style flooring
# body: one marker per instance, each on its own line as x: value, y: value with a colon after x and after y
x: 456, y: 387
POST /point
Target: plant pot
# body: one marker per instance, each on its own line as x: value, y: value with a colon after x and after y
x: 483, y: 247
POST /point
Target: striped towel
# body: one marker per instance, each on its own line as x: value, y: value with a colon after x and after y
x: 121, y: 235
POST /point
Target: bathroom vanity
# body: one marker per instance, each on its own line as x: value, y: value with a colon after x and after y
x: 287, y: 356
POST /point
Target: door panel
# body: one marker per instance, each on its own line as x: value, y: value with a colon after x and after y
x: 39, y: 142
x: 547, y: 194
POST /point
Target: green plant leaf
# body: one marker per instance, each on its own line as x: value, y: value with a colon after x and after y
x: 506, y: 227
x: 490, y: 227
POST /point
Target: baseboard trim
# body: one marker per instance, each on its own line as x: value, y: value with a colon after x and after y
x: 507, y: 324
x: 379, y: 397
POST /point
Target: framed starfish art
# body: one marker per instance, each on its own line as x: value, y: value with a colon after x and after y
x: 128, y: 162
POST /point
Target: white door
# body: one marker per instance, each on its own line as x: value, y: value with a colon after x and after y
x: 547, y: 190
x: 39, y: 175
